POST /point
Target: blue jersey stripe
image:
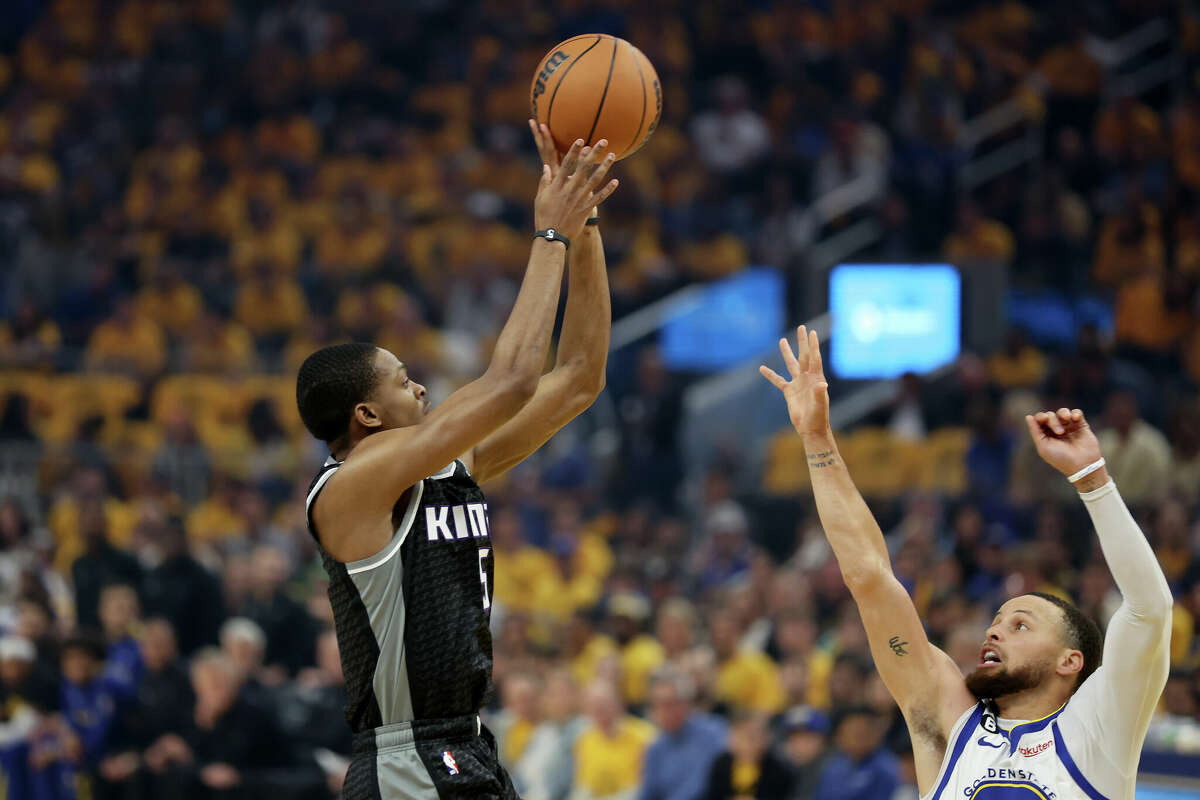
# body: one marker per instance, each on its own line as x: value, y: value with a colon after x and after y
x: 1014, y: 735
x: 964, y: 736
x: 1072, y: 768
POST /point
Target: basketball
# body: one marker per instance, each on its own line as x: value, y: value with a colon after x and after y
x: 594, y: 87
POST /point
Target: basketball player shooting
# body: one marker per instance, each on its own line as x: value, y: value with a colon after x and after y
x: 1040, y: 716
x: 402, y: 524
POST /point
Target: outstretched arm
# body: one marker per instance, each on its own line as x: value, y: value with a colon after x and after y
x: 578, y: 374
x: 926, y: 684
x: 1116, y: 701
x: 389, y: 462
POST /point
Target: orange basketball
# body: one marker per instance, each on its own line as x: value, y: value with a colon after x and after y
x: 594, y: 87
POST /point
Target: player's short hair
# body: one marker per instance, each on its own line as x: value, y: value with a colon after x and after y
x: 330, y: 383
x: 1081, y: 633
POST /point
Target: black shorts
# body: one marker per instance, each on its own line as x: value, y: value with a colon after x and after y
x: 429, y: 759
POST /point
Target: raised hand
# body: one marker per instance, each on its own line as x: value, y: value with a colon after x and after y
x: 807, y: 393
x: 1063, y: 439
x: 549, y: 154
x: 569, y: 193
x: 545, y: 146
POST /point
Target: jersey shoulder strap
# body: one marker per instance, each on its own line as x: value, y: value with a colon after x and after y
x: 327, y: 469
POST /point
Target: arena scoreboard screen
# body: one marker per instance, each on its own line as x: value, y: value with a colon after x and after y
x: 889, y: 319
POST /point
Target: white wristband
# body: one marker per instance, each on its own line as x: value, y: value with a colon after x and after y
x: 1088, y: 470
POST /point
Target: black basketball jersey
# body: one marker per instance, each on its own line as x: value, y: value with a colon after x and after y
x: 412, y: 620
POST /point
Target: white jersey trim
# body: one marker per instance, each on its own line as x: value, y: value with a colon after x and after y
x: 445, y: 472
x: 312, y: 495
x: 410, y: 513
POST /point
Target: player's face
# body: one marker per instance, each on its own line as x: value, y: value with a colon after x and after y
x: 1021, y: 648
x: 401, y: 400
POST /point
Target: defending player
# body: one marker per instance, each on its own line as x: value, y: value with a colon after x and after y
x: 401, y: 522
x: 1040, y: 716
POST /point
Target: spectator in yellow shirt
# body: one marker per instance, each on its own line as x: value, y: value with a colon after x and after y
x: 216, y: 519
x: 529, y: 581
x: 609, y: 751
x: 795, y: 636
x: 353, y: 244
x: 513, y: 725
x: 127, y: 342
x: 1019, y: 364
x: 1130, y: 244
x: 169, y: 301
x: 977, y: 239
x: 640, y: 653
x: 746, y: 679
x: 87, y: 486
x: 30, y: 340
x: 270, y: 306
x: 267, y: 237
x: 1153, y: 313
x: 214, y: 345
x: 585, y: 648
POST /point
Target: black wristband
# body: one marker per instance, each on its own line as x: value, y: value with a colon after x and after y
x: 592, y: 221
x: 551, y: 235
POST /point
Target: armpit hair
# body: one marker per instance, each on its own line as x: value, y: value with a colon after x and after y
x: 923, y: 724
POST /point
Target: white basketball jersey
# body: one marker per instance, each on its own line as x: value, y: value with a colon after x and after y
x: 1045, y: 759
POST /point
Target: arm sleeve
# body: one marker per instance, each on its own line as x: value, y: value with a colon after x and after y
x: 1115, y: 704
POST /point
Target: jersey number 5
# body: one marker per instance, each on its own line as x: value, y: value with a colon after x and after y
x: 483, y: 553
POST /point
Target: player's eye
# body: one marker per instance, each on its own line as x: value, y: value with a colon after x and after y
x: 1022, y: 626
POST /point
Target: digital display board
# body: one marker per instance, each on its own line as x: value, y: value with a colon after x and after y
x: 733, y: 320
x: 889, y: 319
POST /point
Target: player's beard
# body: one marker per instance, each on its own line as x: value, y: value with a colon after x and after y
x: 990, y: 683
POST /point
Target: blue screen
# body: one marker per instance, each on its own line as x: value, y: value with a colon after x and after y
x: 735, y: 319
x: 1145, y: 792
x: 889, y: 319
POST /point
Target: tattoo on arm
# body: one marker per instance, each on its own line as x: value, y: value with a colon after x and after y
x: 821, y: 460
x: 897, y: 646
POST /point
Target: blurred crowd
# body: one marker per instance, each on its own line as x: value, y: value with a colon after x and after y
x: 194, y: 196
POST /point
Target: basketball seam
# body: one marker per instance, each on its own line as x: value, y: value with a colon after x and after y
x: 642, y: 81
x: 604, y: 94
x: 557, y: 86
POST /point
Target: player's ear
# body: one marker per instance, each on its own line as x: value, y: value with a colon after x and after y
x: 1070, y: 663
x: 367, y: 415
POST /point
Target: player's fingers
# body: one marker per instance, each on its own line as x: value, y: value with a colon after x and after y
x: 598, y: 153
x: 546, y: 145
x: 569, y: 161
x: 815, y: 364
x: 596, y: 176
x: 596, y: 198
x: 789, y: 358
x: 1076, y: 415
x: 1064, y: 414
x: 774, y: 377
x: 802, y: 358
x: 546, y: 179
x: 1035, y: 429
